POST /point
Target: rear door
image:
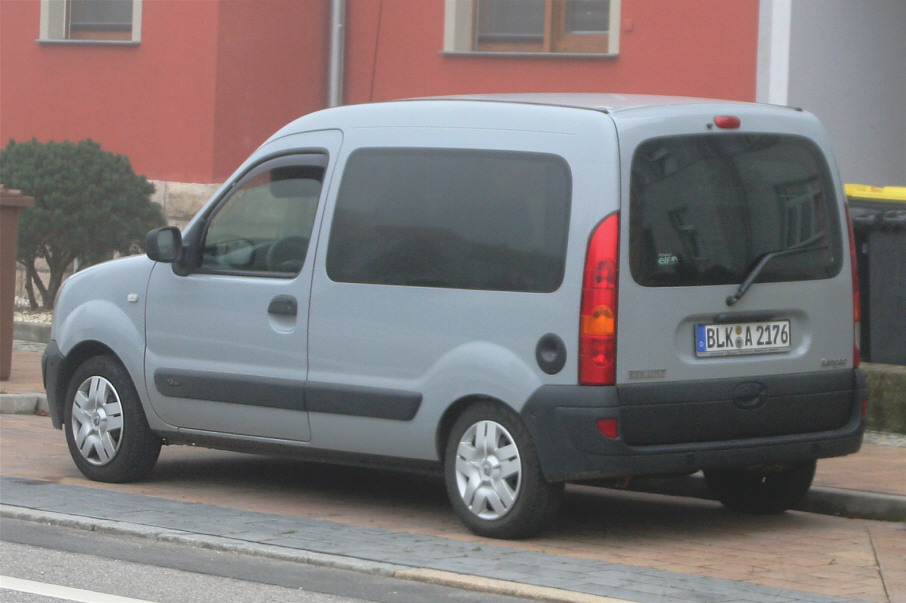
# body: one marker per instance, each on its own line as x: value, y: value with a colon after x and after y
x: 733, y: 294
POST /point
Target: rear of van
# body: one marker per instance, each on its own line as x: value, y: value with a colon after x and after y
x: 720, y: 306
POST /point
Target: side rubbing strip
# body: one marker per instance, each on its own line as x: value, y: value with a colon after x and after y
x: 232, y: 389
x: 362, y: 401
x: 396, y: 405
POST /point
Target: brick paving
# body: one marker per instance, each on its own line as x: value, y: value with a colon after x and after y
x: 25, y: 370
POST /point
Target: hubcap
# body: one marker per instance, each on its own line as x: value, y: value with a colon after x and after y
x: 488, y: 470
x: 97, y: 420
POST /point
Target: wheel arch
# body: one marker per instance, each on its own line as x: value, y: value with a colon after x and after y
x: 454, y: 411
x: 69, y: 365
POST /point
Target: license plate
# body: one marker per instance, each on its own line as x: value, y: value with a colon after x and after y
x: 742, y: 338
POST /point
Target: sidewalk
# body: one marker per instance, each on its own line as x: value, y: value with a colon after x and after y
x: 870, y: 484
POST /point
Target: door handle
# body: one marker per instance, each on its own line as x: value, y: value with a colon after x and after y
x: 285, y: 305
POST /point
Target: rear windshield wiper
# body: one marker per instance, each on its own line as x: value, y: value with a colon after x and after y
x: 754, y: 272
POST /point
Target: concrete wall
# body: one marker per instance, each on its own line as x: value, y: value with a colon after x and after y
x: 847, y: 64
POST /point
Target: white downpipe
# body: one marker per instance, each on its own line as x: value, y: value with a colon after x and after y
x: 336, y: 60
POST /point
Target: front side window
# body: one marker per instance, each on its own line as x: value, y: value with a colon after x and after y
x: 466, y: 219
x: 707, y: 208
x: 263, y: 227
x: 533, y: 26
x: 91, y: 20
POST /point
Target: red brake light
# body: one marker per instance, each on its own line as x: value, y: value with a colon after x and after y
x: 598, y: 313
x: 727, y: 122
x: 857, y: 309
x: 609, y: 428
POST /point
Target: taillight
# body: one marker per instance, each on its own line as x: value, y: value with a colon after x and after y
x: 857, y: 311
x: 598, y: 313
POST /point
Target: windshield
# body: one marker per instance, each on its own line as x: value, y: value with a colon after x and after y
x: 705, y: 209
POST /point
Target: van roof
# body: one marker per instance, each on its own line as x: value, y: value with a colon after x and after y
x: 607, y: 102
x: 423, y: 111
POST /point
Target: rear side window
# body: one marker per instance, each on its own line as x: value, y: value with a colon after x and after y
x: 466, y: 219
x: 706, y: 208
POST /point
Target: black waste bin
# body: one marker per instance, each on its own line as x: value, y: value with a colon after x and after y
x: 879, y: 225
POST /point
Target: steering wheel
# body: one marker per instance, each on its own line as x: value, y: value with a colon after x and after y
x: 287, y: 254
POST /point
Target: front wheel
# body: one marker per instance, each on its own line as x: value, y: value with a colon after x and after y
x: 493, y: 476
x: 763, y: 491
x: 106, y: 429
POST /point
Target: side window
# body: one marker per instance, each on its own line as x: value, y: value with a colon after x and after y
x: 264, y: 225
x: 466, y: 219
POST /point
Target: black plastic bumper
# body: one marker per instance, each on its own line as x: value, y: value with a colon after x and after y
x: 51, y: 364
x: 676, y: 428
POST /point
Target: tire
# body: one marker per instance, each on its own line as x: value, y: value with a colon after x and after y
x: 106, y: 429
x: 762, y: 491
x: 493, y: 476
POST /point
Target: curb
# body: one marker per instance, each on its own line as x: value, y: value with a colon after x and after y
x: 23, y: 404
x: 853, y: 504
x: 31, y: 331
x: 354, y: 564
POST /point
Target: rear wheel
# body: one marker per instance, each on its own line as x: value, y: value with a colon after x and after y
x: 493, y: 476
x: 764, y: 490
x: 106, y: 430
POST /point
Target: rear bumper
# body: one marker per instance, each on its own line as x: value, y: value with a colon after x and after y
x: 673, y: 428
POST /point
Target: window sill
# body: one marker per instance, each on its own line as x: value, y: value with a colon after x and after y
x: 530, y: 55
x: 88, y: 42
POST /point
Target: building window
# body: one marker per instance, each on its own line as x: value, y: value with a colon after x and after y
x: 91, y: 20
x: 532, y: 26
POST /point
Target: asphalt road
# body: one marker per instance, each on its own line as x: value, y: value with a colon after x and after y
x: 53, y: 560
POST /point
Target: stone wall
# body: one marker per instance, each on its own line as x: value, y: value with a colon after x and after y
x: 181, y: 200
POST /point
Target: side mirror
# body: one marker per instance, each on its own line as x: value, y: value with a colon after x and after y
x: 164, y: 244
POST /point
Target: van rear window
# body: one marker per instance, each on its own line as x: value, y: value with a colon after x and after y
x: 466, y: 219
x: 706, y: 208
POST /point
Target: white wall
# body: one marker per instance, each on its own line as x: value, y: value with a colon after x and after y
x: 846, y: 63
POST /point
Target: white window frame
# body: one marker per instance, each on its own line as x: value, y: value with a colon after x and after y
x: 54, y: 24
x: 459, y: 35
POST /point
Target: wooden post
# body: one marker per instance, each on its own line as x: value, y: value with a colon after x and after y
x: 12, y: 203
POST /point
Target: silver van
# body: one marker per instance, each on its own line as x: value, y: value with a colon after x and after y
x: 518, y: 290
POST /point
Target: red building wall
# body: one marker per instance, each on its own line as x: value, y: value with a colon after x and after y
x: 211, y: 79
x: 272, y: 68
x: 681, y: 47
x: 208, y: 82
x: 139, y: 100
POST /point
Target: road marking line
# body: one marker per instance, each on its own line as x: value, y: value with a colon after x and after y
x: 62, y: 592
